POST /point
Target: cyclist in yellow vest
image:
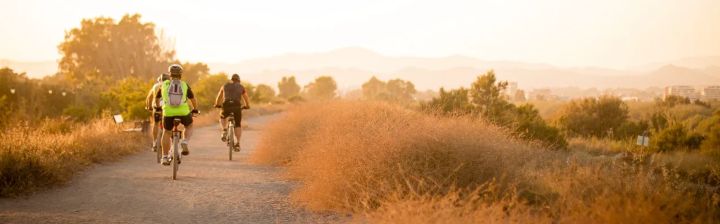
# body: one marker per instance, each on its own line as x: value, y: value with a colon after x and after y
x: 183, y: 110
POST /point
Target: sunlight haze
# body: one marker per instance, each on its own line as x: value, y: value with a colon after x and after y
x: 615, y: 33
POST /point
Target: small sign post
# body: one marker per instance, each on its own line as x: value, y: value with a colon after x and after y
x: 118, y: 119
x: 643, y: 140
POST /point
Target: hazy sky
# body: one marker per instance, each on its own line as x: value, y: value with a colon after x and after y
x: 609, y: 33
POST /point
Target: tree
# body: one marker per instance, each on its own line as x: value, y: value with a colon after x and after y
x: 101, y: 50
x: 373, y: 88
x: 486, y: 95
x: 263, y: 94
x: 207, y: 88
x: 485, y: 98
x: 400, y: 91
x: 593, y: 117
x: 322, y: 88
x: 529, y: 125
x: 288, y: 87
x: 128, y: 98
x: 455, y: 101
x: 396, y: 90
x: 192, y: 72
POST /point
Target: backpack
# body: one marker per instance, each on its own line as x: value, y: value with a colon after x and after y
x: 175, y: 93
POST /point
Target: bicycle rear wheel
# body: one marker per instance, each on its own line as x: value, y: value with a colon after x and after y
x: 175, y: 156
x: 231, y: 141
x: 158, y: 148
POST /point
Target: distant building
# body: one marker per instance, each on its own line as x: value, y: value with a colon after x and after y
x: 511, y: 90
x: 681, y: 91
x: 711, y: 93
x: 542, y: 94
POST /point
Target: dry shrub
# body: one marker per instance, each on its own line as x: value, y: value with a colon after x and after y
x: 351, y: 155
x: 287, y: 136
x: 388, y: 164
x: 32, y: 157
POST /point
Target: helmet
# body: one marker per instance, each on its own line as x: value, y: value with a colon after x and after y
x: 175, y: 70
x: 235, y: 77
x: 163, y: 77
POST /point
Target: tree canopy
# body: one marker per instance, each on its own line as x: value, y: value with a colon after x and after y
x: 288, y: 87
x: 103, y: 50
x: 323, y: 88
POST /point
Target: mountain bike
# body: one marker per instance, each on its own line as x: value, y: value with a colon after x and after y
x: 176, y: 156
x: 158, y: 138
x: 175, y: 149
x: 230, y: 137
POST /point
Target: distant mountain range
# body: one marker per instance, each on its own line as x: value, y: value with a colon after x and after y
x: 353, y: 66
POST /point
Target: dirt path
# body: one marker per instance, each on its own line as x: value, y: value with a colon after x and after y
x: 209, y: 189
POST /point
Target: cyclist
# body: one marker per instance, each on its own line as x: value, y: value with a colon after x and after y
x: 150, y: 105
x: 230, y: 95
x: 175, y: 94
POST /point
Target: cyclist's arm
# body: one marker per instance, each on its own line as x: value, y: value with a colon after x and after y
x: 191, y: 97
x: 194, y: 103
x: 246, y: 99
x: 149, y: 99
x: 220, y: 96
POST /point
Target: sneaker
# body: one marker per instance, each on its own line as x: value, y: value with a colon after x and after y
x: 237, y: 147
x: 166, y: 160
x: 154, y: 147
x: 223, y: 137
x: 184, y: 145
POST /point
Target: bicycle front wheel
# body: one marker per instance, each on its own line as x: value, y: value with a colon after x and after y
x: 175, y: 156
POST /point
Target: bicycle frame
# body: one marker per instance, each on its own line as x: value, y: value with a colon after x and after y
x: 158, y: 138
x: 175, y: 148
x: 231, y: 134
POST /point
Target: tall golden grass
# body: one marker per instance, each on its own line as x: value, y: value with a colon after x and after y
x: 387, y: 164
x: 35, y: 156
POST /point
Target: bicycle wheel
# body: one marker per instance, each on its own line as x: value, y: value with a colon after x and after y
x: 158, y: 148
x: 175, y: 156
x: 231, y: 141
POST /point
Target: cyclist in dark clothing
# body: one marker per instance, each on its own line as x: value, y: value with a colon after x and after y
x: 231, y: 95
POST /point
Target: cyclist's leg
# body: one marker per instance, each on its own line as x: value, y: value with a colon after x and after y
x: 167, y: 134
x: 238, y: 126
x: 156, y: 127
x: 223, y: 121
x: 187, y: 122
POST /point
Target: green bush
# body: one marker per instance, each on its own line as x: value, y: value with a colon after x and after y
x: 591, y: 117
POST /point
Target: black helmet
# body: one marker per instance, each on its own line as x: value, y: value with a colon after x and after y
x: 235, y: 77
x: 163, y: 77
x: 175, y: 70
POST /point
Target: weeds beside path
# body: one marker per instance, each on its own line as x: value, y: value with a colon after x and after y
x: 36, y: 157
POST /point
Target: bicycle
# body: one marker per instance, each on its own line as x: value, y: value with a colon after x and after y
x: 158, y: 138
x: 230, y: 136
x: 175, y: 147
x: 175, y: 155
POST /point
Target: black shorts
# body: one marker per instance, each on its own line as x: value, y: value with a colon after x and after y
x: 237, y: 112
x: 186, y: 120
x: 157, y: 116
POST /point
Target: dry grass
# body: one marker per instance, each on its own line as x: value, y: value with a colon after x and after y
x: 387, y: 164
x: 33, y: 158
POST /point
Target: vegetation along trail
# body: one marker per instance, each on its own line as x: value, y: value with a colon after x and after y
x: 209, y: 189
